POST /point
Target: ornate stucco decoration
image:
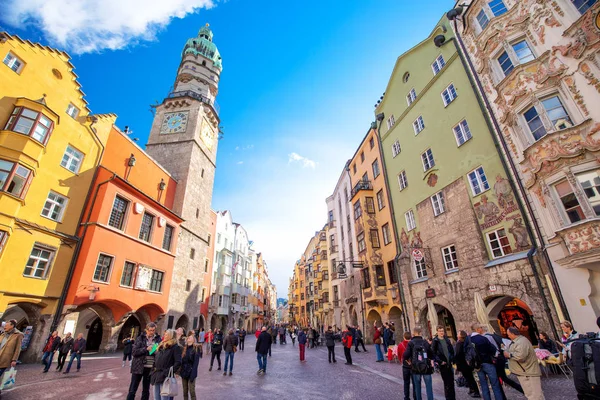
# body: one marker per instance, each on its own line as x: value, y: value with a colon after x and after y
x: 583, y: 34
x: 581, y: 238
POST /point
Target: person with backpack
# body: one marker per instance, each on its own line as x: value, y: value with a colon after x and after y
x: 480, y: 356
x: 523, y: 362
x: 377, y: 340
x: 462, y: 366
x: 443, y: 354
x: 500, y: 363
x: 406, y: 369
x: 347, y: 342
x: 216, y: 348
x: 127, y: 350
x: 420, y: 355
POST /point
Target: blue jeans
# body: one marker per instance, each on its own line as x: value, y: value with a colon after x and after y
x: 47, y: 359
x: 228, y: 356
x: 489, y: 370
x: 379, y: 353
x: 262, y: 361
x: 157, y: 395
x: 2, y: 373
x: 73, y: 356
x: 417, y: 387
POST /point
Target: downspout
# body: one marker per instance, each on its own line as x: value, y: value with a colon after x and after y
x: 405, y: 318
x: 71, y: 271
x: 493, y: 125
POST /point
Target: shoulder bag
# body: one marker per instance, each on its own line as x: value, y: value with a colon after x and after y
x: 169, y: 387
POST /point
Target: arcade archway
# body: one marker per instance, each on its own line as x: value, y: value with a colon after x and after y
x: 444, y: 318
x: 183, y: 322
x: 395, y: 316
x: 131, y: 328
x: 507, y: 311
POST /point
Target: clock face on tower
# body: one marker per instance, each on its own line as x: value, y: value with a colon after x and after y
x: 207, y: 134
x: 175, y: 122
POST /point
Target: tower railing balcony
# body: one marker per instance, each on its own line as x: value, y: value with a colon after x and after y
x: 197, y: 96
x: 361, y: 185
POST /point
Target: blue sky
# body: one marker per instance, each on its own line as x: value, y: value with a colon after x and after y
x: 297, y: 91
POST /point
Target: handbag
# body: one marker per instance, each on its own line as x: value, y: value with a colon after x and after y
x: 169, y: 387
x: 234, y: 348
x: 8, y: 379
x: 378, y: 341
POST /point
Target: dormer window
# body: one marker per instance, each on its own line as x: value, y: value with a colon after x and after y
x: 30, y: 123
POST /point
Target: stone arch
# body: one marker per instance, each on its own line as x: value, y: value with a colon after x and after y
x: 183, y: 322
x: 445, y: 317
x: 353, y: 316
x: 29, y: 314
x: 372, y: 317
x: 505, y: 311
x: 130, y: 328
x: 201, y: 323
x: 395, y: 316
x: 223, y: 325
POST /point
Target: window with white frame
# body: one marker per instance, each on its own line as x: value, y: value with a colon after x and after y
x: 13, y: 62
x: 411, y: 96
x: 14, y: 178
x: 569, y: 201
x: 427, y: 159
x: 450, y: 259
x: 437, y: 201
x: 438, y: 64
x: 478, y: 181
x: 72, y: 159
x: 103, y: 267
x: 31, y: 123
x: 449, y: 94
x: 418, y: 125
x: 376, y: 170
x: 391, y: 121
x: 590, y: 183
x: 357, y: 210
x: 420, y: 268
x: 39, y: 262
x: 583, y: 5
x: 387, y: 236
x: 402, y: 181
x: 72, y: 111
x: 499, y: 243
x: 409, y: 216
x: 550, y: 108
x: 374, y: 236
x: 168, y: 237
x: 518, y: 53
x: 128, y: 274
x: 55, y: 205
x: 462, y: 133
x: 156, y: 281
x: 360, y: 239
x: 118, y: 213
x: 395, y: 149
x: 492, y: 9
x: 3, y: 238
x: 380, y: 200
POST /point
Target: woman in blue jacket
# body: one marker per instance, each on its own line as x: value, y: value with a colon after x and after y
x: 190, y: 357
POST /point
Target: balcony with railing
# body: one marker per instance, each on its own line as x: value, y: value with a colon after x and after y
x: 197, y: 96
x: 361, y: 185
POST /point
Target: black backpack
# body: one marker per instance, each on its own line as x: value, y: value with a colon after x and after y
x: 419, y: 361
x: 472, y: 357
x: 585, y: 362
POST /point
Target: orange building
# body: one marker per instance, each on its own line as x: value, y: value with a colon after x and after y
x: 129, y: 234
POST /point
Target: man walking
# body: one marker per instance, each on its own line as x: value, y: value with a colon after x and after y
x: 462, y: 366
x: 420, y: 355
x: 76, y: 352
x: 486, y: 352
x: 406, y: 368
x: 302, y: 343
x: 347, y: 342
x: 229, y: 345
x: 50, y: 348
x: 216, y: 348
x: 523, y: 362
x: 330, y: 343
x: 242, y: 337
x: 263, y: 344
x: 10, y: 347
x: 143, y: 352
x: 66, y: 345
x: 358, y: 340
x: 202, y: 338
x: 443, y: 354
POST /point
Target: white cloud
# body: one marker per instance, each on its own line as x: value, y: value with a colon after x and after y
x: 240, y: 162
x: 244, y: 148
x: 85, y: 26
x: 306, y: 163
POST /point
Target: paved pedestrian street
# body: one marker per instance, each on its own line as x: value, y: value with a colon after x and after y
x: 286, y: 378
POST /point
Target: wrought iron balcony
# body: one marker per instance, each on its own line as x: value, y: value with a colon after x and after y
x: 197, y: 96
x: 361, y: 185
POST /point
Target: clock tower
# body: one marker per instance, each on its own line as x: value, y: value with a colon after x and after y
x: 183, y: 139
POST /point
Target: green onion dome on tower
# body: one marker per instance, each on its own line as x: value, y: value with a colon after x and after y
x: 204, y: 46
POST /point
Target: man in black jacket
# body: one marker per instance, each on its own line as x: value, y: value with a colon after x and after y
x: 49, y: 349
x: 330, y: 343
x: 263, y: 344
x: 462, y: 366
x: 143, y: 361
x: 486, y: 351
x: 419, y: 353
x: 443, y: 354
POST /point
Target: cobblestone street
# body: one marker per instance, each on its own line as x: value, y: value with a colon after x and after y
x: 103, y: 378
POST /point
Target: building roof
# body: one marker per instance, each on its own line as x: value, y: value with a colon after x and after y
x: 204, y: 46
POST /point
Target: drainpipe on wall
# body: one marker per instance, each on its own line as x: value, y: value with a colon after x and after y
x: 71, y: 271
x: 522, y: 203
x: 405, y: 318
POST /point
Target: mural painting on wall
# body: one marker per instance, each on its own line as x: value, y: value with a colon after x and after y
x: 490, y: 213
x: 408, y: 244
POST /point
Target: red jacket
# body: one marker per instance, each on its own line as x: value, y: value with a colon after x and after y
x: 377, y: 335
x: 257, y: 333
x: 401, y: 349
x: 347, y: 339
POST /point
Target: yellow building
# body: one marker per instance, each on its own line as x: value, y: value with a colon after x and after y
x: 49, y: 148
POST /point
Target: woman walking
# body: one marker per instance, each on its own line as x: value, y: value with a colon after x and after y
x: 190, y: 357
x: 168, y: 357
x: 230, y: 346
x: 216, y: 348
x: 127, y: 350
